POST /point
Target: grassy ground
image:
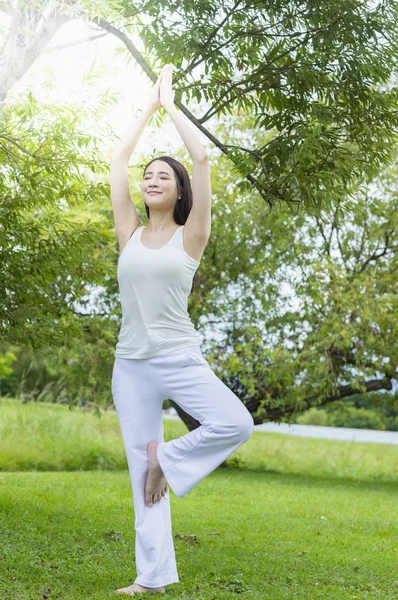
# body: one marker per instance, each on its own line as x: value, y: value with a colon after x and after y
x: 303, y: 519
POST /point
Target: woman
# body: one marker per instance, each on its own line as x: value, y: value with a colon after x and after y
x: 158, y: 353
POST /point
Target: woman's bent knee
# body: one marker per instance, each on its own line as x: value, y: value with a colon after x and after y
x: 240, y: 429
x: 246, y: 427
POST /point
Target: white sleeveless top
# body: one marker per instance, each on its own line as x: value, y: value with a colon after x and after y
x: 154, y: 285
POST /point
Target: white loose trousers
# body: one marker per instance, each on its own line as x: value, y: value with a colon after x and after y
x: 139, y: 387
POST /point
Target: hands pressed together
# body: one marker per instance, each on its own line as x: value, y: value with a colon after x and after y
x: 162, y: 92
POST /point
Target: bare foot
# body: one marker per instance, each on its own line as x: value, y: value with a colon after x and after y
x: 136, y: 588
x: 156, y: 484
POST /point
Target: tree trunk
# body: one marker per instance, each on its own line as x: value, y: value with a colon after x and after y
x: 28, y: 35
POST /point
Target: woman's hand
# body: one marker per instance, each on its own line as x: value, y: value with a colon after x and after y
x: 166, y: 90
x: 154, y: 98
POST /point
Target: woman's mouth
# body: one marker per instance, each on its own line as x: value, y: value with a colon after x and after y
x: 153, y: 193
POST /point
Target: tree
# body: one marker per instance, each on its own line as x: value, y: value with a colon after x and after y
x: 316, y: 77
x: 313, y: 83
x: 54, y: 227
x: 311, y: 314
x: 305, y: 304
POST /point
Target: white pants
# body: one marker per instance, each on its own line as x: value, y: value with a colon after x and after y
x: 139, y: 387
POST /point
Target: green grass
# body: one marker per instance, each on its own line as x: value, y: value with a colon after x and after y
x: 296, y: 518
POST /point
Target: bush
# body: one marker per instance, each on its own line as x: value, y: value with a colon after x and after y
x: 357, y: 418
x: 392, y: 424
x: 313, y: 416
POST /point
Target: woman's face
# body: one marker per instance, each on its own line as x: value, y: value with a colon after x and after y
x: 159, y: 186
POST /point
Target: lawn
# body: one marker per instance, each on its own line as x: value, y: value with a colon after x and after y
x: 290, y: 517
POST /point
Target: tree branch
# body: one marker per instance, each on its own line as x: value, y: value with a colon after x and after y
x: 19, y: 52
x: 318, y: 220
x: 152, y: 76
x: 248, y: 79
x: 82, y: 41
x: 344, y: 392
x: 375, y: 255
x: 307, y: 36
x: 194, y: 64
x: 219, y: 47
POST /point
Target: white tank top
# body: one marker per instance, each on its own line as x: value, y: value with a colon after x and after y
x: 154, y: 285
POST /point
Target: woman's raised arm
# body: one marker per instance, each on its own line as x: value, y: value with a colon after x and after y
x: 125, y: 213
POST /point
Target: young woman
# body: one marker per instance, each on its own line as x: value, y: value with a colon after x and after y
x: 158, y: 355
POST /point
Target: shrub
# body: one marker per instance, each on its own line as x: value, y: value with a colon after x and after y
x: 357, y: 418
x: 313, y: 416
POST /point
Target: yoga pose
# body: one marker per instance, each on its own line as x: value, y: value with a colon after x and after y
x: 158, y: 355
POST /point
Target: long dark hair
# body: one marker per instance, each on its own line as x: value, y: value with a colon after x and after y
x: 183, y: 205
